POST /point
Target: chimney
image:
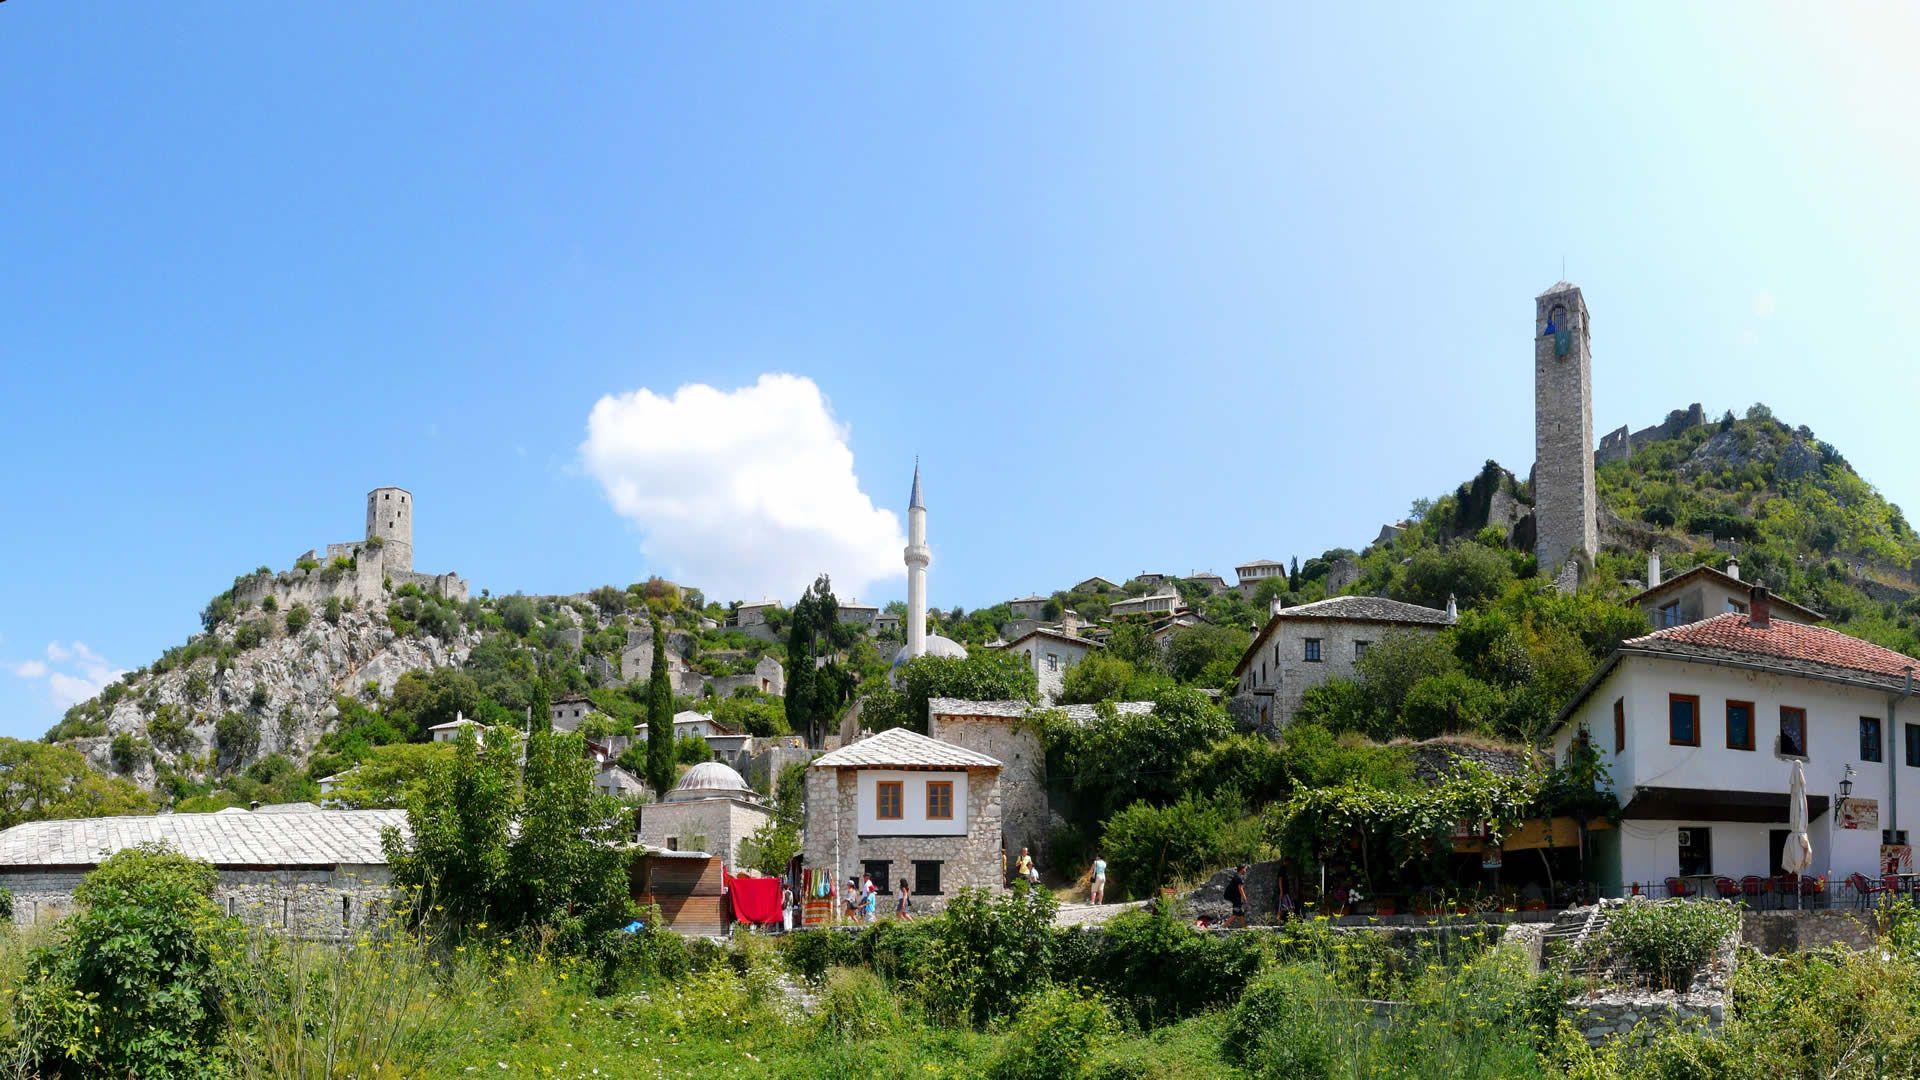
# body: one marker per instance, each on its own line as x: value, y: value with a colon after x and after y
x: 1759, y: 608
x: 1733, y: 568
x: 1653, y: 569
x: 1453, y: 607
x: 1274, y: 607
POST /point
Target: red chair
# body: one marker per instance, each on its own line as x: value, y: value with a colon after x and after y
x: 1678, y: 887
x: 1755, y: 887
x: 1890, y: 882
x: 1863, y: 889
x: 1726, y: 887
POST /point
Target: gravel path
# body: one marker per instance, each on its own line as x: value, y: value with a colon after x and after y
x: 1089, y: 914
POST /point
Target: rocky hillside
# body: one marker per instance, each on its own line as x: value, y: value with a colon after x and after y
x: 249, y: 688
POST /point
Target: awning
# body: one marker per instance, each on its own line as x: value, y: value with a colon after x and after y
x: 1707, y: 804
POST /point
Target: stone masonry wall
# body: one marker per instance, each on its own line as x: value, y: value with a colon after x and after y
x: 1025, y: 817
x: 970, y: 861
x: 307, y: 903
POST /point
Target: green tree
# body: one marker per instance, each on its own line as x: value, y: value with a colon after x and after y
x: 390, y: 775
x: 457, y: 856
x: 984, y: 675
x: 298, y: 616
x: 1099, y: 676
x: 40, y: 782
x: 1205, y: 655
x: 660, y: 753
x: 133, y: 985
x: 569, y: 867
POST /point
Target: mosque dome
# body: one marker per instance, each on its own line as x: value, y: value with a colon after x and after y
x: 711, y: 780
x: 936, y: 646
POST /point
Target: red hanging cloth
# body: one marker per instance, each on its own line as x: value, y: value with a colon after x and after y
x: 756, y: 900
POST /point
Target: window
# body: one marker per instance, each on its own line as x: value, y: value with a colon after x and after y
x: 1619, y: 725
x: 1737, y: 607
x: 1669, y: 615
x: 878, y: 870
x: 926, y: 878
x: 1793, y: 731
x: 1313, y: 650
x: 889, y: 804
x: 939, y: 800
x: 1913, y: 745
x: 1053, y: 661
x: 1360, y: 649
x: 1683, y: 719
x: 1739, y: 725
x: 1696, y: 851
x: 1870, y: 738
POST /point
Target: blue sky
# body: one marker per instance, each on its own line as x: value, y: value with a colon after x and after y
x: 1154, y: 286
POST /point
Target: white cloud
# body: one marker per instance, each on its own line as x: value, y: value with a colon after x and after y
x: 1763, y: 304
x: 743, y: 493
x: 72, y: 672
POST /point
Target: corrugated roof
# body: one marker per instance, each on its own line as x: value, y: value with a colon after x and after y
x: 903, y: 748
x: 314, y: 838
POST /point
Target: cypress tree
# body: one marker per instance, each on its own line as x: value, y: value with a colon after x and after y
x: 660, y: 758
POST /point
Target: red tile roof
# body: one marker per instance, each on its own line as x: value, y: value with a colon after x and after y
x: 1780, y: 640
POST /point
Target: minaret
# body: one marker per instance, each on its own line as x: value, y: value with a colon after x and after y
x: 917, y: 557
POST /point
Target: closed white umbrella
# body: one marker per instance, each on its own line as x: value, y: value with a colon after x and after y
x: 1799, y: 850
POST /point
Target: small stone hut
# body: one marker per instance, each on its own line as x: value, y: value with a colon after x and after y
x: 711, y: 809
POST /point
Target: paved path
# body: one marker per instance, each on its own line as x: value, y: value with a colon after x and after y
x: 1090, y: 914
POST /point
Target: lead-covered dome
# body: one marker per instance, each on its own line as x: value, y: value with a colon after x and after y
x: 710, y: 780
x: 936, y: 646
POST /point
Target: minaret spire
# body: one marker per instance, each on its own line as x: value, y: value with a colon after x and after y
x: 917, y: 557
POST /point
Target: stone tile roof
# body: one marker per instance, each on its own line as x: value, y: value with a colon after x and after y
x: 903, y: 748
x: 1048, y: 631
x: 1797, y: 646
x: 1366, y: 609
x: 316, y: 838
x: 1015, y: 710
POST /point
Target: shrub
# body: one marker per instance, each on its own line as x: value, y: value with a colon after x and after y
x: 1275, y: 1029
x: 1148, y: 846
x: 856, y: 1004
x: 1667, y: 942
x: 1055, y: 1035
x: 810, y: 954
x: 987, y: 950
x: 135, y: 986
x: 331, y: 612
x: 128, y: 752
x: 1156, y: 966
x: 237, y: 736
x: 298, y: 616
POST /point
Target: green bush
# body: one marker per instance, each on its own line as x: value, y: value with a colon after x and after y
x: 810, y: 954
x: 298, y: 616
x: 856, y: 1004
x: 1148, y: 846
x: 135, y: 986
x: 1275, y: 1029
x: 988, y: 950
x: 1667, y: 942
x: 1155, y: 966
x: 1055, y: 1036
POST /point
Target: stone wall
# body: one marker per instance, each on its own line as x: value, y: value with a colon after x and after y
x: 1025, y: 818
x: 1775, y: 932
x: 832, y: 841
x: 1282, y: 665
x: 307, y: 903
x: 716, y: 826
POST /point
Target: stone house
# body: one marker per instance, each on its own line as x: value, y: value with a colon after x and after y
x: 902, y: 805
x: 1702, y: 593
x: 566, y: 713
x: 1214, y: 583
x: 617, y: 782
x: 1158, y: 605
x: 297, y: 868
x: 1250, y: 574
x: 711, y: 809
x: 1301, y: 647
x: 1163, y: 632
x: 1000, y: 730
x: 1050, y: 653
x: 854, y: 613
x: 1095, y: 584
x: 750, y: 614
x: 450, y: 731
x: 1032, y: 606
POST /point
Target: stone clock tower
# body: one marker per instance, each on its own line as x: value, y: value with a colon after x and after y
x: 1563, y: 493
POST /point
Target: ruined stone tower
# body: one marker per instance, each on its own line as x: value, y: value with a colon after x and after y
x: 1563, y: 493
x: 390, y: 519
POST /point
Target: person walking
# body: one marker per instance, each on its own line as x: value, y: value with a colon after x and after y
x: 902, y: 906
x: 852, y: 900
x: 786, y: 907
x: 1097, y: 893
x: 1237, y: 891
x: 1024, y: 868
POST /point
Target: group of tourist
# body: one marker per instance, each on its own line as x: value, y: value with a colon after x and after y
x: 861, y: 901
